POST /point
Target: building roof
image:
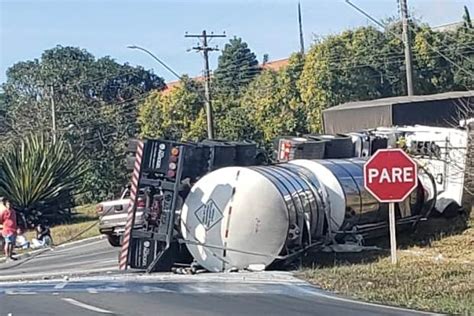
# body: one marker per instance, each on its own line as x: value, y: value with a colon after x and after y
x: 450, y: 27
x: 401, y: 100
x: 272, y: 65
x: 173, y: 84
x: 276, y: 64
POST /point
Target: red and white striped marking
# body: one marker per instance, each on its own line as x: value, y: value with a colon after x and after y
x: 123, y: 261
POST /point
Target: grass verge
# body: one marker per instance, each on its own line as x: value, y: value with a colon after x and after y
x: 435, y: 272
x: 81, y: 227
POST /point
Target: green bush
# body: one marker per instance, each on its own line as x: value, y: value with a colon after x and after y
x: 40, y: 178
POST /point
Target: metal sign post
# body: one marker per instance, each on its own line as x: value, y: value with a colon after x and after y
x: 390, y: 176
x: 393, y: 233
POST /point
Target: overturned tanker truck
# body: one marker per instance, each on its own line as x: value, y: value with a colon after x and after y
x: 215, y: 204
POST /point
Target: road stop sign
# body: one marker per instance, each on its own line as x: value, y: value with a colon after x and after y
x: 390, y: 175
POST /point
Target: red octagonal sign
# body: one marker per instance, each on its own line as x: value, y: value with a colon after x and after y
x: 390, y: 175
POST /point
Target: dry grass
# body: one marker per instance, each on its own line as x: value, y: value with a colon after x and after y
x: 434, y: 273
x: 82, y: 226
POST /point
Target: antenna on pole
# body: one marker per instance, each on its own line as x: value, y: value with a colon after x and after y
x: 300, y: 24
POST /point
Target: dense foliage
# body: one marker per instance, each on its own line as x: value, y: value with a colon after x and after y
x: 236, y: 68
x: 359, y: 64
x: 95, y: 102
x: 40, y: 178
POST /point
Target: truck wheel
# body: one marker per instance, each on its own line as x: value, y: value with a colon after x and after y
x: 114, y: 240
x: 338, y: 146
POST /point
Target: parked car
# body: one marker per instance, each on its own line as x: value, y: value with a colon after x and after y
x: 113, y: 216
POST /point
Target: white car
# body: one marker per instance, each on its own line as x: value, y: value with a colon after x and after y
x: 113, y: 216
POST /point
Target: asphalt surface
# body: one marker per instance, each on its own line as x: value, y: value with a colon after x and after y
x: 85, y: 257
x: 266, y: 293
x: 82, y: 279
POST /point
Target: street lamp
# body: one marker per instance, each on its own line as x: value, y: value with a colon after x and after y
x: 155, y: 58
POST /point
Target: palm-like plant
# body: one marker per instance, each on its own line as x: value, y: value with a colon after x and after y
x: 40, y: 177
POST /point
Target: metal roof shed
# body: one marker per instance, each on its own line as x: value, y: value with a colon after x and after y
x: 435, y: 110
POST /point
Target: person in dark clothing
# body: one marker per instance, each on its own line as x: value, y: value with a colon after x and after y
x: 43, y: 237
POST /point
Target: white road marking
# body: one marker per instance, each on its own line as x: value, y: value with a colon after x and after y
x: 12, y: 292
x: 92, y: 290
x: 86, y: 306
x: 14, y: 277
x: 60, y: 285
x: 153, y: 289
x: 80, y: 241
x: 60, y: 249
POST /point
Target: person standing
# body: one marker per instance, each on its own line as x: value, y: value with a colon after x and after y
x: 8, y: 220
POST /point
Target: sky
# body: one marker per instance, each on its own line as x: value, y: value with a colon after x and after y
x: 107, y: 27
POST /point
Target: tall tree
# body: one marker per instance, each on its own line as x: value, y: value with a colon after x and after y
x: 237, y: 66
x: 95, y: 101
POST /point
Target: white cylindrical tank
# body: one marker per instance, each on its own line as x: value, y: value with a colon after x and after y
x: 234, y: 217
x: 240, y: 216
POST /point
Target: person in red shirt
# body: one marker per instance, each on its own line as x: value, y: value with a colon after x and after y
x: 8, y: 220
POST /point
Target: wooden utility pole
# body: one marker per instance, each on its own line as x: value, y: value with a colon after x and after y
x: 203, y: 46
x: 406, y: 41
x: 300, y: 24
x: 53, y: 114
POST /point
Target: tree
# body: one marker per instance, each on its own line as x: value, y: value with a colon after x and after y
x: 355, y: 65
x: 273, y: 104
x: 443, y: 60
x: 40, y: 178
x: 178, y: 115
x: 467, y: 18
x: 95, y: 103
x: 237, y: 66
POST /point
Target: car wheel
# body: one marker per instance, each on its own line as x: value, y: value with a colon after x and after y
x: 114, y: 240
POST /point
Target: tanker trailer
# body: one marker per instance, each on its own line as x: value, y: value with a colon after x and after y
x: 238, y: 217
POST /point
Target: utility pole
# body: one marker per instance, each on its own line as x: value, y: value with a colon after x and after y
x: 53, y: 114
x: 203, y: 46
x: 406, y: 40
x: 300, y: 24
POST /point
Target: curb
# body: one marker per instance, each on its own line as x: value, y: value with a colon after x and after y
x: 33, y: 252
x: 80, y: 241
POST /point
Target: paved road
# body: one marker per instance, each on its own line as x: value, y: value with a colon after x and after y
x: 266, y: 293
x: 91, y: 256
x: 36, y: 286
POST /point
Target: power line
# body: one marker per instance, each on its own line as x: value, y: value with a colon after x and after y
x: 397, y: 36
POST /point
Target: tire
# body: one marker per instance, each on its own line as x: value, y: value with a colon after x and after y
x: 338, y: 146
x: 114, y: 240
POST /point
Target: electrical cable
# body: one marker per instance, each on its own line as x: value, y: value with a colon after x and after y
x: 397, y: 36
